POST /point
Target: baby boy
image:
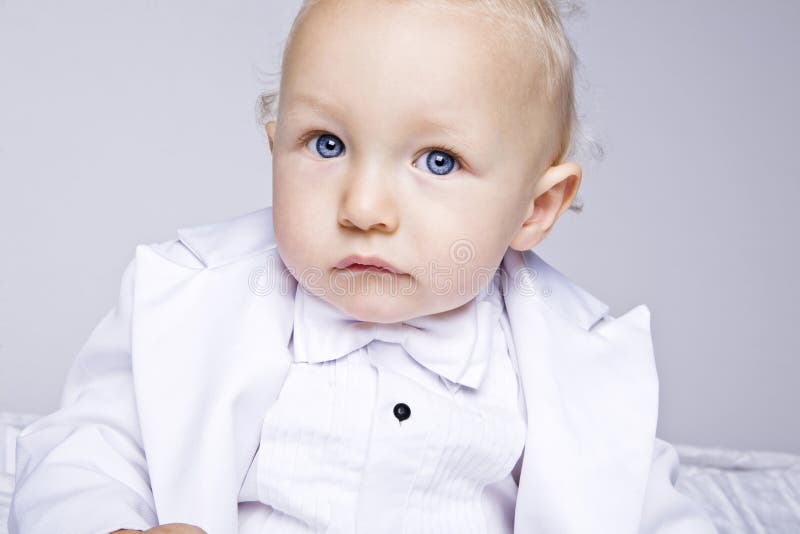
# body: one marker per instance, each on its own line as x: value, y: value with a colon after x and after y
x: 420, y: 149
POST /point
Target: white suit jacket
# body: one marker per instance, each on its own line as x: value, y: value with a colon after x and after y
x: 162, y: 409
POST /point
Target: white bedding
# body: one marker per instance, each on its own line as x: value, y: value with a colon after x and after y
x: 747, y: 492
x: 750, y: 492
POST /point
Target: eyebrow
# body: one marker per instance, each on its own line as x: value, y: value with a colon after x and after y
x: 460, y: 138
x: 440, y: 126
x: 317, y: 103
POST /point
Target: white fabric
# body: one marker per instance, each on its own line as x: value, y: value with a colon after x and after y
x: 757, y: 492
x: 742, y: 491
x: 162, y: 410
x: 10, y: 426
x: 334, y: 458
x: 454, y: 344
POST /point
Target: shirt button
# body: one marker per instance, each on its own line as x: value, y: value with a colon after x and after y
x: 402, y: 411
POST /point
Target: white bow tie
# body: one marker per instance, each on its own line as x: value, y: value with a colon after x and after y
x: 455, y: 344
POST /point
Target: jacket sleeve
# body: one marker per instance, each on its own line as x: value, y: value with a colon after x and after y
x: 82, y: 469
x: 666, y: 510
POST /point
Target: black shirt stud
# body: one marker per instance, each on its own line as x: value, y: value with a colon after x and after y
x: 402, y: 411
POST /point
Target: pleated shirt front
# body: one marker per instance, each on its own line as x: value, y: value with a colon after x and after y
x: 338, y: 454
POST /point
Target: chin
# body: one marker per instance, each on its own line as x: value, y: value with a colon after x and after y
x: 372, y: 308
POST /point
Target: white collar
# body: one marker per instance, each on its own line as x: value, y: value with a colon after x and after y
x: 455, y: 344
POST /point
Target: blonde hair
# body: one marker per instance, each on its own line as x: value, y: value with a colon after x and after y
x: 539, y: 20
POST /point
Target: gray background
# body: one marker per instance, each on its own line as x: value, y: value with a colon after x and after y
x: 122, y: 121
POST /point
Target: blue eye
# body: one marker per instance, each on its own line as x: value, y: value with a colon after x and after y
x: 438, y: 160
x: 439, y: 163
x: 326, y: 145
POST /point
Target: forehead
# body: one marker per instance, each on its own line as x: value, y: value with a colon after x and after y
x: 398, y: 59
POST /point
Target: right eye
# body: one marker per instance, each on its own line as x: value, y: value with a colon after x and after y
x: 326, y: 145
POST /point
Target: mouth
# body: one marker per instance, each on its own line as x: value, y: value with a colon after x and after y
x: 356, y: 264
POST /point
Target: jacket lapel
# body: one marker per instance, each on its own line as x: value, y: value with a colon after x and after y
x: 213, y: 343
x: 591, y: 394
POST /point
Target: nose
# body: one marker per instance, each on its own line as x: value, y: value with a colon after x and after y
x: 368, y: 203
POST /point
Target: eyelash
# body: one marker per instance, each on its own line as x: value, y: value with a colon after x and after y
x: 450, y: 151
x: 303, y: 139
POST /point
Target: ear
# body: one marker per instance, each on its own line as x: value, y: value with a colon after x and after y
x: 271, y: 134
x: 552, y: 195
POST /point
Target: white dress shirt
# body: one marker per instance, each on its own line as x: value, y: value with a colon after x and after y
x: 339, y: 454
x: 163, y: 409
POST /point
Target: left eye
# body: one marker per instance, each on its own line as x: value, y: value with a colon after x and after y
x: 326, y: 145
x: 439, y: 163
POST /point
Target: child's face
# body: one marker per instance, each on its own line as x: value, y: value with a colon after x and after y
x: 369, y: 90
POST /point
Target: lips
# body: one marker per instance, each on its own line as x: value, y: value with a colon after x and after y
x: 358, y: 263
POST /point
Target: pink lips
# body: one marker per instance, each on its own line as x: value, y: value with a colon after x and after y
x: 358, y: 263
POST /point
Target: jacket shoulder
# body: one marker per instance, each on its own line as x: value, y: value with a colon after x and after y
x: 217, y: 243
x: 563, y: 295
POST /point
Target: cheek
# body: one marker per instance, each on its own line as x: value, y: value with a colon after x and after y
x: 475, y: 262
x: 304, y: 186
x: 288, y: 188
x: 284, y: 236
x: 468, y: 229
x: 298, y: 197
x: 293, y: 227
x: 296, y: 233
x: 486, y: 239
